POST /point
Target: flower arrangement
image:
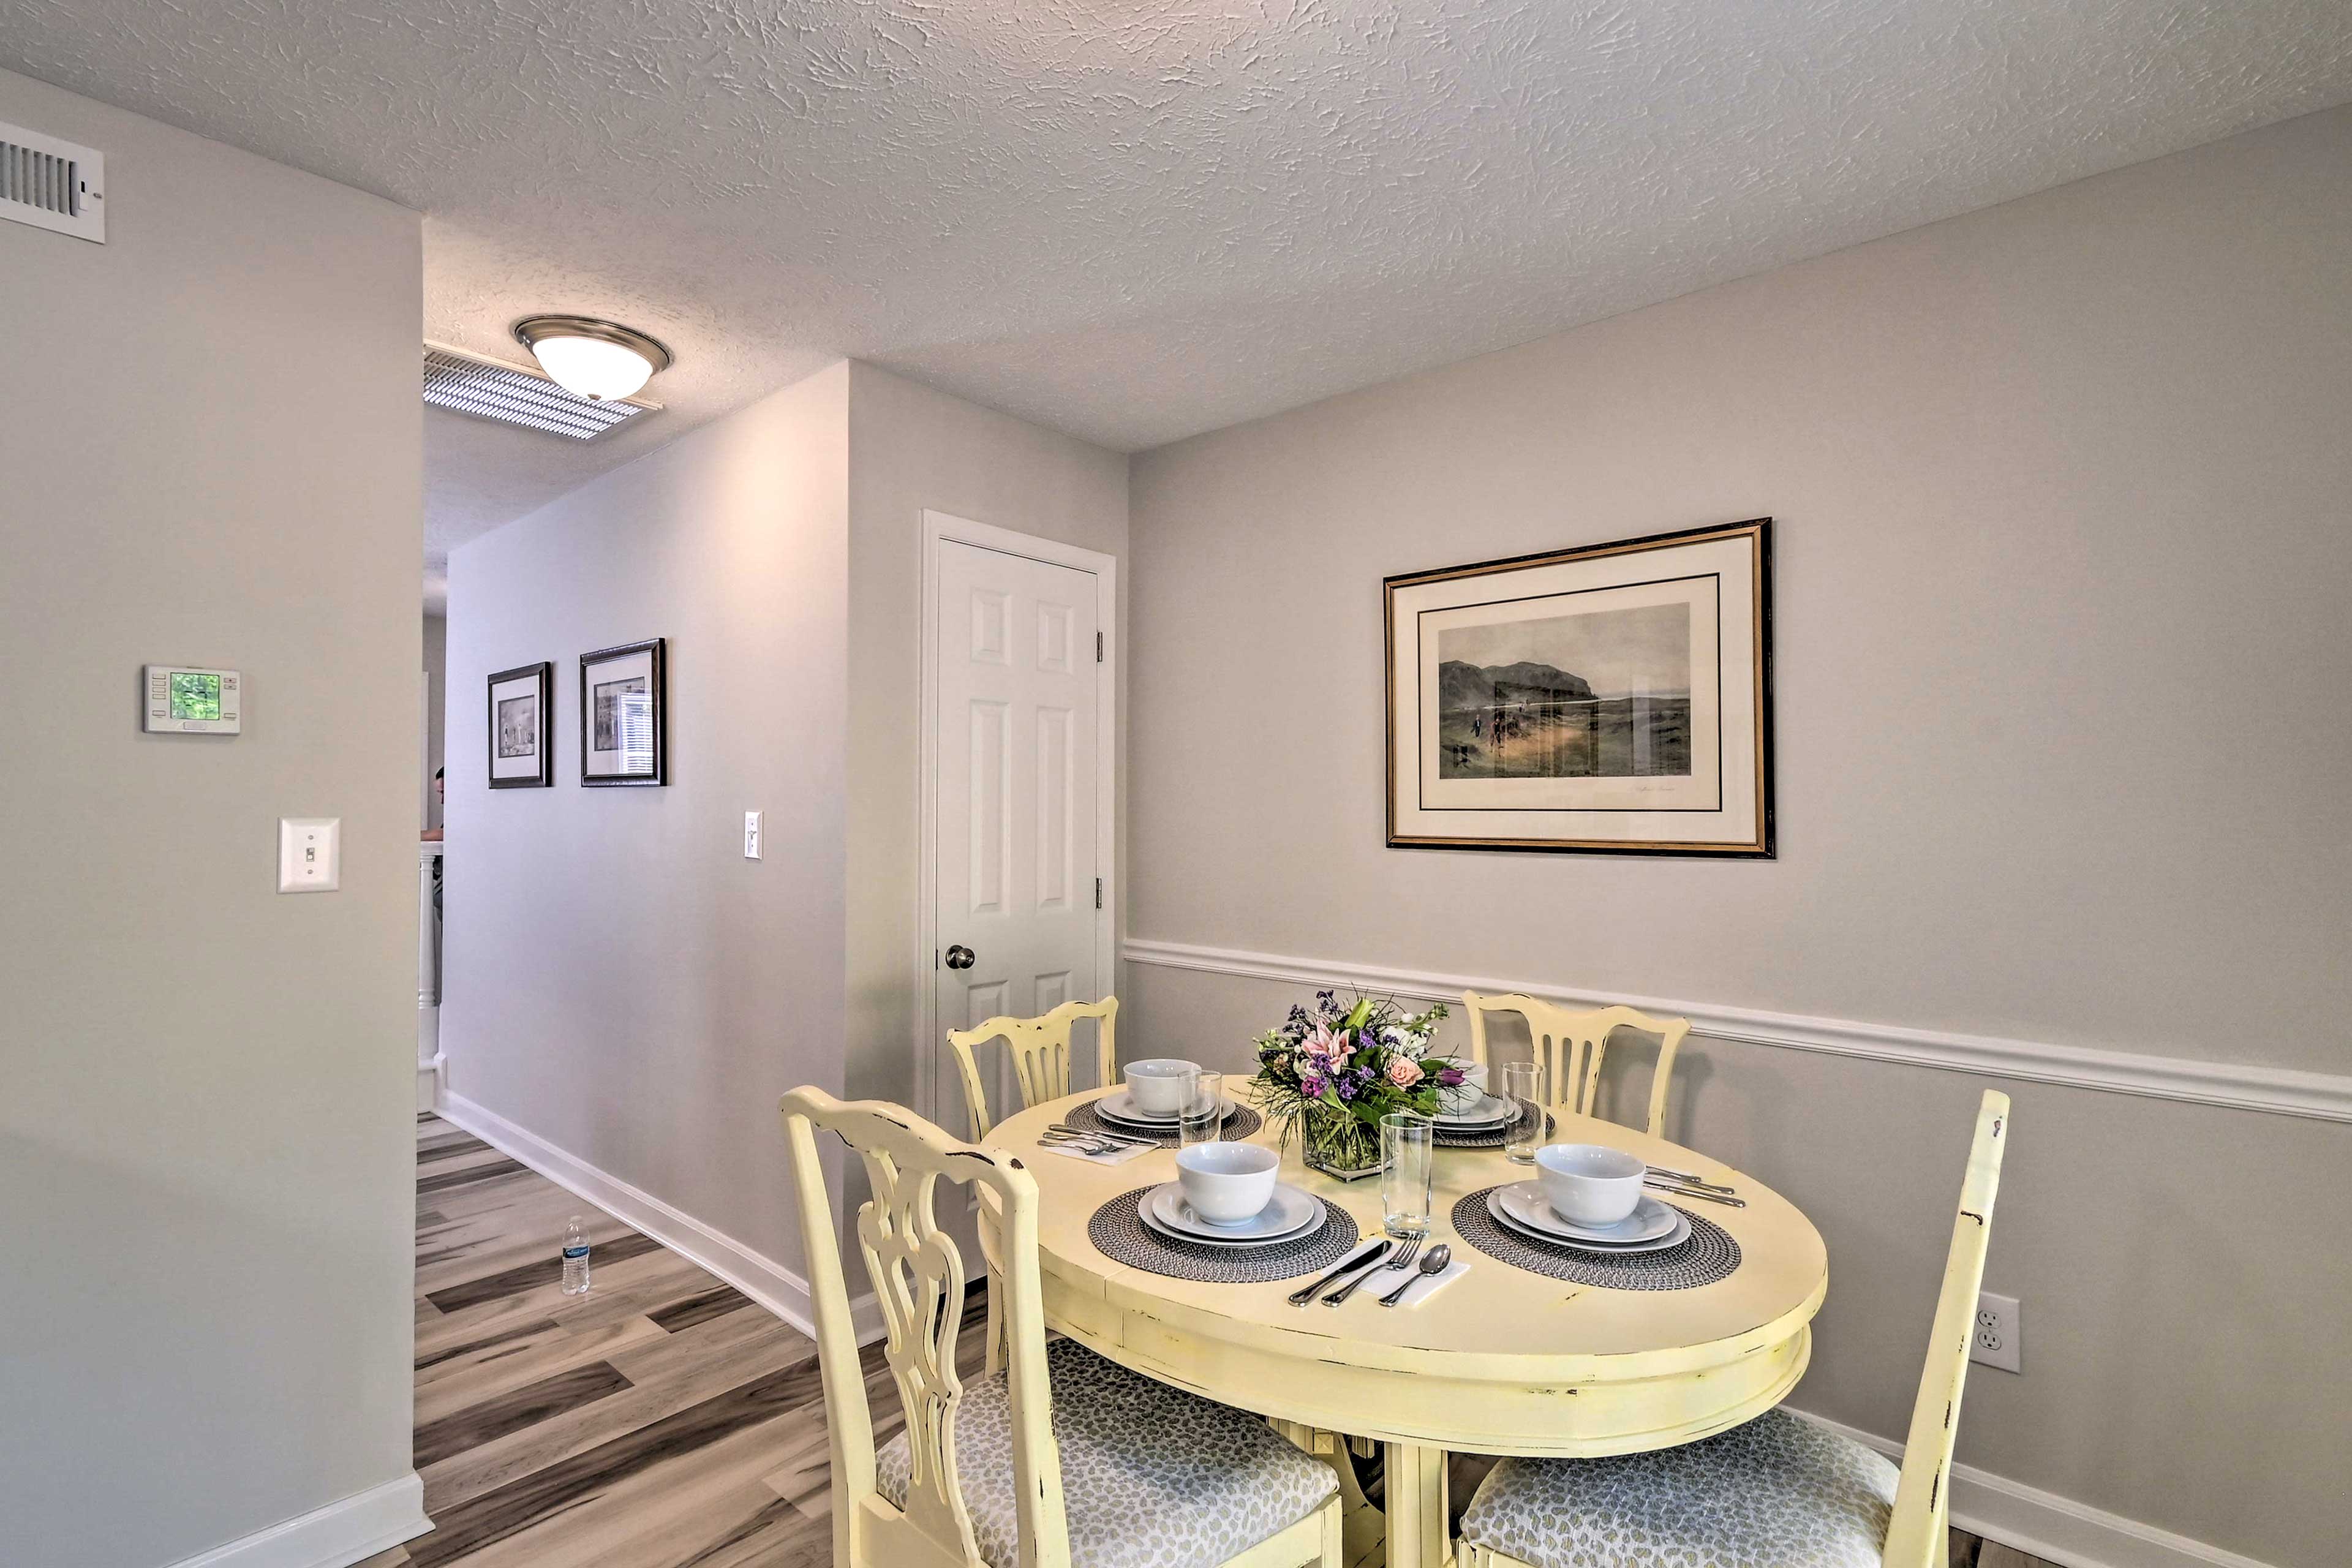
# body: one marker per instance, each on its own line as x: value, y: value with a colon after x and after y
x: 1329, y: 1074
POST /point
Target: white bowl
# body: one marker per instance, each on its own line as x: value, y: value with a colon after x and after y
x: 1468, y: 1092
x: 1588, y: 1183
x: 1161, y: 1085
x: 1227, y: 1183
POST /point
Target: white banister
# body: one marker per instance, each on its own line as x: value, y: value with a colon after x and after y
x: 428, y: 969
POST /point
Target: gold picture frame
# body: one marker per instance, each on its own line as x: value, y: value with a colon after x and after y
x: 1610, y: 699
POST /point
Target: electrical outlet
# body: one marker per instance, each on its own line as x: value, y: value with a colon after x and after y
x: 1996, y: 1336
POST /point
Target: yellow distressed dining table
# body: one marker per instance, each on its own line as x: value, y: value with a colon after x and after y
x: 1499, y: 1362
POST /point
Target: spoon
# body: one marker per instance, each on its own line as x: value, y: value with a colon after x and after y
x: 1439, y: 1256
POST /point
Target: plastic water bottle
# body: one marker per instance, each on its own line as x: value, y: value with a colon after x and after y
x: 575, y: 1257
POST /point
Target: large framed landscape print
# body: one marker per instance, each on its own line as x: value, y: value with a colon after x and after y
x: 523, y: 751
x: 623, y: 722
x: 1612, y: 699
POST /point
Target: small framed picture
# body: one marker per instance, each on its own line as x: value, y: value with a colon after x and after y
x: 522, y: 753
x: 1607, y: 699
x: 624, y: 726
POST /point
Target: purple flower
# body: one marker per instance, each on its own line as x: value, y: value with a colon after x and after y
x: 1449, y: 1077
x: 1311, y: 1087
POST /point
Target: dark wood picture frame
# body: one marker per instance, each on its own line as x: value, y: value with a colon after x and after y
x: 656, y: 650
x: 545, y: 778
x: 1759, y: 844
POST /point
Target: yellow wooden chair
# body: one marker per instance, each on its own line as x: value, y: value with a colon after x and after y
x: 1159, y: 1477
x: 1778, y: 1489
x: 1570, y: 1045
x: 1040, y: 1048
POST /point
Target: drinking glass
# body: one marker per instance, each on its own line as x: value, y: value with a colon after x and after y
x: 1523, y: 1086
x: 1406, y: 1141
x: 1203, y: 1116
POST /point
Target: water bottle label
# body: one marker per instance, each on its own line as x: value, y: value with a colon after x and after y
x: 571, y: 1252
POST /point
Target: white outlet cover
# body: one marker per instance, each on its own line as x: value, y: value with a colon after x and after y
x: 751, y: 835
x: 309, y: 854
x: 1997, y: 1334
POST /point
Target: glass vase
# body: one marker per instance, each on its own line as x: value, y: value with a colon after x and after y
x: 1338, y: 1144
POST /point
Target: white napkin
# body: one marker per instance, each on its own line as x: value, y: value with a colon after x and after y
x: 1425, y: 1286
x: 1118, y: 1156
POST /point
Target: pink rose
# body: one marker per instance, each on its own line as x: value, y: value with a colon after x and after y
x: 1403, y: 1071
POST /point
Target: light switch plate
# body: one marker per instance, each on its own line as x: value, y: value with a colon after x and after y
x: 309, y: 854
x: 751, y: 835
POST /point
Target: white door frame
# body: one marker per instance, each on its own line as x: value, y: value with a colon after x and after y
x: 938, y: 527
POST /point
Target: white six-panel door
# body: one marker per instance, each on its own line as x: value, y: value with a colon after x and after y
x: 1015, y: 758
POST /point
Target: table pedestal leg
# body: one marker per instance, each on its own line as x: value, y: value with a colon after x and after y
x: 1363, y: 1529
x: 1416, y: 1507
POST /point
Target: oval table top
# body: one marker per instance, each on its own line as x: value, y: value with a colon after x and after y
x: 1501, y: 1360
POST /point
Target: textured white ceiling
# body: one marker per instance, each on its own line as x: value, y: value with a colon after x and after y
x: 1135, y: 219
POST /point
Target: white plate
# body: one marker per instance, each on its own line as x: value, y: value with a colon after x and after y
x: 1290, y: 1214
x: 1675, y: 1237
x: 1118, y: 1108
x: 1525, y: 1202
x: 1491, y: 1111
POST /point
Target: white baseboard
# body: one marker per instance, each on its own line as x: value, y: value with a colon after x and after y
x: 2055, y: 1529
x: 2236, y: 1086
x: 429, y: 1085
x: 778, y: 1288
x: 335, y: 1536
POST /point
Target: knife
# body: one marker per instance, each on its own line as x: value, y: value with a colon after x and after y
x: 1371, y: 1255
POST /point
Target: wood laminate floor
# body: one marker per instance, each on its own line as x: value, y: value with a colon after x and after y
x: 664, y: 1420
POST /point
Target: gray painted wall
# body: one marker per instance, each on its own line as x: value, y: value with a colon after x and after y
x: 2060, y: 579
x: 912, y: 449
x: 206, y: 1144
x: 619, y: 979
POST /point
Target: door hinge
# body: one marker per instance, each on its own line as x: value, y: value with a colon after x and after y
x: 1097, y: 892
x: 1098, y: 647
x: 935, y: 958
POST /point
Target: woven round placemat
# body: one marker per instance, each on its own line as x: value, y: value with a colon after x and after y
x: 1238, y: 1126
x: 1708, y: 1256
x: 1119, y: 1234
x: 1494, y: 1140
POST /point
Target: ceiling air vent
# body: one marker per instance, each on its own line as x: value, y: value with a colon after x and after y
x: 52, y: 184
x: 490, y: 389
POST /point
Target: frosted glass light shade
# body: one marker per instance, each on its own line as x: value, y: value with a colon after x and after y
x: 591, y: 368
x: 597, y: 360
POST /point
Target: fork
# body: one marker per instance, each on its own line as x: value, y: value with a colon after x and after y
x: 1083, y: 1142
x: 1101, y: 1133
x: 1401, y: 1258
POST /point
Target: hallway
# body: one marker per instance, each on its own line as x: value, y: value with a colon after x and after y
x: 662, y: 1420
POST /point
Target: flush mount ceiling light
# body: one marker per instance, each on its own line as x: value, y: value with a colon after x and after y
x: 599, y: 360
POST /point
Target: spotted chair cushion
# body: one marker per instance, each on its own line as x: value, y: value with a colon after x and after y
x: 1151, y: 1477
x: 1778, y: 1492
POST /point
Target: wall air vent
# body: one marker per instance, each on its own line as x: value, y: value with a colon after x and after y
x: 490, y: 389
x: 52, y: 184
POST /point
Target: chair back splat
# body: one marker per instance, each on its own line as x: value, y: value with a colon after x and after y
x: 1040, y: 1048
x: 918, y: 1278
x: 1570, y: 1045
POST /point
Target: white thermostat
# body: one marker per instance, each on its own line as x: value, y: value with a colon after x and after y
x: 185, y: 701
